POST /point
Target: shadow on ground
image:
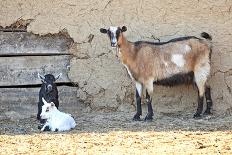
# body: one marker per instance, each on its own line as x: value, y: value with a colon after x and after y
x: 99, y: 122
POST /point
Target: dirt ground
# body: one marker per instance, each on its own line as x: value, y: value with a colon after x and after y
x: 116, y: 133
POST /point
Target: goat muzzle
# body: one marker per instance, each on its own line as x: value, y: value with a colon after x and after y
x: 49, y: 87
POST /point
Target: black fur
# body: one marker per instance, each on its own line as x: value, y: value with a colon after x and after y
x: 203, y: 34
x: 139, y: 108
x: 111, y: 35
x: 209, y: 101
x: 40, y: 126
x: 177, y: 79
x: 48, y: 95
x: 124, y: 29
x: 199, y: 107
x: 206, y: 36
x: 150, y: 113
x: 45, y: 129
x: 119, y: 30
x: 103, y: 30
x: 118, y: 33
x: 137, y: 43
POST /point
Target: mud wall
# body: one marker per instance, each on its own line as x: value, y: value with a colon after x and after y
x: 103, y: 81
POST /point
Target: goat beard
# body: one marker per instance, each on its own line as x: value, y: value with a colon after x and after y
x: 117, y: 51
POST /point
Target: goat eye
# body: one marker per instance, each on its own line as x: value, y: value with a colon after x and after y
x: 117, y: 32
x: 47, y: 110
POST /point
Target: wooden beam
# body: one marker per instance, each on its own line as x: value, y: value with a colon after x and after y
x: 25, y: 43
x: 23, y: 70
x: 25, y: 100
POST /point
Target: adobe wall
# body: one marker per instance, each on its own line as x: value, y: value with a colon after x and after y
x: 103, y: 81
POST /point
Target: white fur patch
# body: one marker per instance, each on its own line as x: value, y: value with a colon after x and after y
x: 187, y: 48
x: 129, y: 72
x: 56, y: 120
x: 113, y: 29
x: 60, y: 121
x: 165, y: 63
x: 201, y: 74
x: 149, y: 86
x: 139, y: 88
x: 178, y: 59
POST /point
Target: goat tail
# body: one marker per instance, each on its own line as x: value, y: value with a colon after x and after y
x: 206, y: 36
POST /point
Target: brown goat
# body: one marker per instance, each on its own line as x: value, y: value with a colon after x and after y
x: 179, y: 61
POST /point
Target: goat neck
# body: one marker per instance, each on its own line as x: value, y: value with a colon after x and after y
x: 54, y: 112
x: 124, y: 50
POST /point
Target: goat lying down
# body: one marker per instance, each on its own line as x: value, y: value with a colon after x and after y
x: 179, y: 61
x: 56, y: 120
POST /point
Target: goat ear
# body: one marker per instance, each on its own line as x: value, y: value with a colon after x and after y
x: 58, y: 76
x: 103, y: 30
x: 44, y: 101
x: 41, y: 77
x: 124, y: 29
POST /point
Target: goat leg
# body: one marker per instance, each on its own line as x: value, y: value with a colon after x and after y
x: 45, y: 127
x: 209, y: 101
x: 139, y: 108
x: 150, y: 113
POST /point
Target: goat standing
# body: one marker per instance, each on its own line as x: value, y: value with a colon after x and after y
x: 179, y: 61
x: 48, y: 91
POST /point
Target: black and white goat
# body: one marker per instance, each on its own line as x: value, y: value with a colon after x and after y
x: 48, y: 91
x: 55, y: 119
x: 179, y: 61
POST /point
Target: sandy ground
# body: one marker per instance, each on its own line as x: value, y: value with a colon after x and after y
x: 115, y: 133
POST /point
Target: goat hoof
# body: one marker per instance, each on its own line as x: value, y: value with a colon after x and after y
x: 38, y: 117
x: 197, y: 116
x: 42, y: 121
x: 47, y: 128
x: 136, y: 117
x: 40, y: 127
x: 148, y: 117
x: 207, y: 112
